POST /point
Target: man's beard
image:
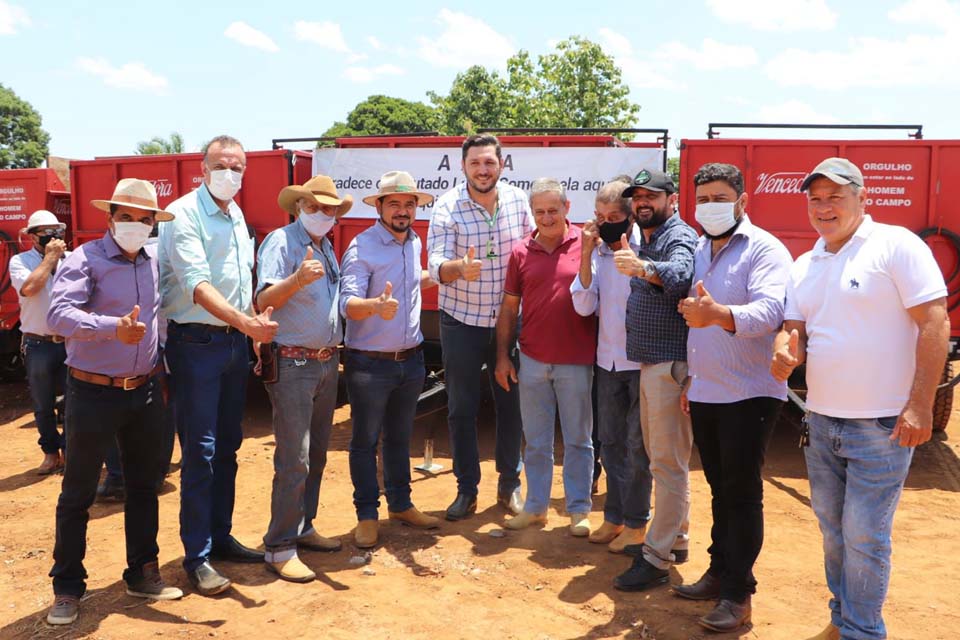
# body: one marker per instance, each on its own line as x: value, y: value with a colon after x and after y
x: 478, y: 189
x: 657, y: 218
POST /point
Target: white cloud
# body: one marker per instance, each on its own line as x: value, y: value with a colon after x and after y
x: 776, y: 15
x: 325, y: 34
x: 464, y: 41
x: 132, y: 75
x: 375, y: 44
x: 638, y: 71
x: 11, y: 17
x: 250, y: 37
x: 356, y: 57
x: 711, y: 56
x: 362, y: 75
x: 793, y: 111
x: 939, y: 14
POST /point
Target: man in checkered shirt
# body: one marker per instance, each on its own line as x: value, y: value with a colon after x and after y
x: 473, y: 228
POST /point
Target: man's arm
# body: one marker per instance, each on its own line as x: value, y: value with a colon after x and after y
x: 789, y: 349
x: 585, y: 292
x: 506, y: 330
x: 36, y: 281
x: 71, y: 292
x: 915, y: 424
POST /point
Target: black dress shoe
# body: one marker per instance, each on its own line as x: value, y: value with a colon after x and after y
x: 462, y: 507
x: 641, y: 575
x: 230, y: 550
x: 511, y: 501
x: 207, y: 580
x: 728, y: 615
x: 679, y: 555
x: 706, y: 588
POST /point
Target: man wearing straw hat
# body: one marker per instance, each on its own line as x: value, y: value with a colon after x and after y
x: 298, y: 276
x: 31, y: 274
x: 105, y: 301
x: 380, y: 297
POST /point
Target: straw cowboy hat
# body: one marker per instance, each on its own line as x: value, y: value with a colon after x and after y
x: 318, y: 189
x: 398, y: 182
x: 139, y: 194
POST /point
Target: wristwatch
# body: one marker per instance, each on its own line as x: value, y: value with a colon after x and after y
x: 648, y: 270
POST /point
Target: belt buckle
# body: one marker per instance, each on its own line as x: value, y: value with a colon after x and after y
x: 396, y: 356
x: 57, y: 339
x: 126, y: 380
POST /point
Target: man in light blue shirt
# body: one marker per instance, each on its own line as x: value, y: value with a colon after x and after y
x: 206, y: 258
x: 380, y: 297
x: 297, y: 275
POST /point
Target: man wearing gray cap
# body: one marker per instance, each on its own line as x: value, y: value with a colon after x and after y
x: 864, y: 284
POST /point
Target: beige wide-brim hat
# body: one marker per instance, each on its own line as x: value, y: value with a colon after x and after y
x: 398, y: 182
x: 319, y: 189
x: 139, y: 194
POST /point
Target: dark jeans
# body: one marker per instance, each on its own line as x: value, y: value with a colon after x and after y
x: 732, y: 439
x: 112, y: 459
x: 211, y: 370
x: 98, y: 417
x: 46, y: 375
x: 465, y: 350
x: 595, y: 436
x: 383, y: 399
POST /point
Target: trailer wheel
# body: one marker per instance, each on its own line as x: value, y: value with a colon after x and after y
x: 943, y: 403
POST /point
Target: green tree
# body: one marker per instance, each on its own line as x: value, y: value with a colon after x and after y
x: 157, y: 145
x: 673, y: 168
x: 23, y: 142
x: 575, y: 86
x: 379, y: 114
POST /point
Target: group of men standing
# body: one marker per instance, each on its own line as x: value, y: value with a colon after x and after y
x: 688, y: 339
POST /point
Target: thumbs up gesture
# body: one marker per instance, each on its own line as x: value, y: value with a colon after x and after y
x: 469, y: 265
x: 129, y: 329
x: 309, y: 270
x: 625, y: 260
x: 786, y: 357
x: 260, y: 327
x: 699, y: 310
x: 387, y: 305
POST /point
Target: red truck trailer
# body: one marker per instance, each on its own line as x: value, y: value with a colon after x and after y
x: 22, y: 191
x: 914, y: 183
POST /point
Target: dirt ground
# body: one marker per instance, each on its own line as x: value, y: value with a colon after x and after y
x: 461, y: 582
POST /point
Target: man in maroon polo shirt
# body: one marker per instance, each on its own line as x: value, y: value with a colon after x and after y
x: 557, y: 350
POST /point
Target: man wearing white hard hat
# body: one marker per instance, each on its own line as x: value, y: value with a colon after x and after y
x: 105, y: 301
x: 298, y: 275
x: 380, y: 297
x: 31, y: 274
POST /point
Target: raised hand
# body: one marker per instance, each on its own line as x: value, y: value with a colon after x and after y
x: 590, y: 236
x: 387, y: 305
x: 698, y: 311
x: 469, y: 265
x: 309, y: 270
x: 129, y: 329
x: 55, y: 249
x: 787, y: 358
x: 625, y: 260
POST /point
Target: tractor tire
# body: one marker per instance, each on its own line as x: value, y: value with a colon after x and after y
x: 943, y: 403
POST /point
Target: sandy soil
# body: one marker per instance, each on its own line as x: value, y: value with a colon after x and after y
x: 461, y: 582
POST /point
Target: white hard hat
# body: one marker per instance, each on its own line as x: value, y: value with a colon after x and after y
x: 43, y: 218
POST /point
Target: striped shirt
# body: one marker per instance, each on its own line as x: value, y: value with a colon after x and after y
x: 656, y: 332
x: 459, y: 223
x: 749, y: 275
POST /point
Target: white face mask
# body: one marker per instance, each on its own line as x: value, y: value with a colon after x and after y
x: 224, y: 183
x: 131, y: 236
x: 716, y: 218
x: 317, y: 224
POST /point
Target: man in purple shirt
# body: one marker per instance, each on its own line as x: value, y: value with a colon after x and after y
x: 105, y: 301
x: 734, y: 311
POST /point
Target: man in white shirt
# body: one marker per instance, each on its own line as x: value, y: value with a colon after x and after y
x: 31, y: 274
x: 866, y: 310
x: 601, y: 289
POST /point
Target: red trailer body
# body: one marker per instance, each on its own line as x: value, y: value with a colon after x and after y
x: 174, y: 175
x: 912, y: 183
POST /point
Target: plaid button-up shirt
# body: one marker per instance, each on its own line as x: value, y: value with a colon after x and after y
x: 459, y: 223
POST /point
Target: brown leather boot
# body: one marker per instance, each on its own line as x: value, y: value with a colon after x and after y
x: 606, y: 533
x: 627, y: 537
x: 830, y: 633
x: 706, y: 588
x: 727, y: 616
x: 366, y: 534
x: 51, y: 462
x: 413, y: 517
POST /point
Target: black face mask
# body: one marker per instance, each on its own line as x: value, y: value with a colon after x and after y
x: 44, y: 240
x: 611, y: 232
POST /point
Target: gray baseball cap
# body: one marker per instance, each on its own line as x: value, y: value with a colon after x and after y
x: 840, y: 170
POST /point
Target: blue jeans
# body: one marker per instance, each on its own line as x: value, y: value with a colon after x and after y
x: 211, y: 370
x: 544, y: 387
x: 629, y: 483
x: 856, y: 476
x: 465, y: 350
x: 303, y: 399
x: 46, y: 374
x: 383, y: 399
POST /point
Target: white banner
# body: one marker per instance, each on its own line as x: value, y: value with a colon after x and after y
x: 582, y: 170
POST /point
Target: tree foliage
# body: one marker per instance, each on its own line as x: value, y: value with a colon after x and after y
x: 23, y: 142
x: 575, y: 86
x: 157, y: 145
x: 379, y: 115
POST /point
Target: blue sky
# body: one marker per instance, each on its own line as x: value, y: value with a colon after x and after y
x: 105, y: 75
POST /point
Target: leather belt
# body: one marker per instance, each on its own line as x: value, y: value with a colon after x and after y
x: 43, y: 338
x: 301, y: 353
x: 127, y: 384
x: 396, y: 356
x: 226, y: 328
